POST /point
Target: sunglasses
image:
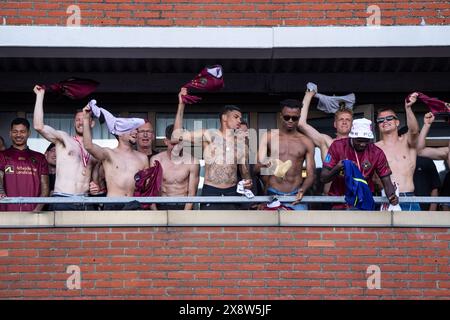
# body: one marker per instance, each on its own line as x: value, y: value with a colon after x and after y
x: 294, y: 118
x: 388, y: 118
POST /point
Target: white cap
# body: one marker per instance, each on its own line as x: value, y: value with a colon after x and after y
x: 361, y: 128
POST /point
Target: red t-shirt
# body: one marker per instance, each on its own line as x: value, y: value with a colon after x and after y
x: 22, y: 171
x: 371, y: 160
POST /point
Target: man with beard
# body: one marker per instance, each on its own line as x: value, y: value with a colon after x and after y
x: 224, y: 154
x: 368, y: 158
x: 291, y: 147
x: 73, y: 163
x: 120, y: 164
x: 23, y: 172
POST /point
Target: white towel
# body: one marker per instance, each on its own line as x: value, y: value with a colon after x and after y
x: 241, y: 190
x: 115, y: 125
x: 388, y: 206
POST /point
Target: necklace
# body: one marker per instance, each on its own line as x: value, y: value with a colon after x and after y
x: 359, y: 165
x: 85, y: 156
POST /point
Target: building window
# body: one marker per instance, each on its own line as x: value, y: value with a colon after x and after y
x: 267, y: 120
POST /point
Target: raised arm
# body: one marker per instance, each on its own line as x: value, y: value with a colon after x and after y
x: 98, y: 152
x: 441, y: 153
x: 47, y: 132
x: 310, y: 172
x: 320, y: 140
x: 179, y: 134
x: 438, y: 153
x: 427, y: 121
x: 194, y: 170
x: 411, y: 121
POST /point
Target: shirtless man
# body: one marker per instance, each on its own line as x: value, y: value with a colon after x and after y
x: 144, y: 141
x: 400, y: 151
x: 120, y: 164
x: 293, y: 146
x: 221, y: 154
x: 180, y: 178
x: 73, y: 163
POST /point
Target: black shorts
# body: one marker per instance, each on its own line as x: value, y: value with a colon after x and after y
x: 170, y: 206
x: 209, y: 191
x: 70, y: 206
x: 133, y: 205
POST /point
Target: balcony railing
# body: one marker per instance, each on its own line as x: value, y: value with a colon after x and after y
x: 202, y: 199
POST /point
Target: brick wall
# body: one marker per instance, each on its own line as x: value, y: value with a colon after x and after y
x: 223, y: 12
x: 226, y: 262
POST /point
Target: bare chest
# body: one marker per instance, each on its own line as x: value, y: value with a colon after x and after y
x: 174, y: 173
x: 220, y: 150
x: 74, y: 154
x: 124, y: 163
x: 287, y: 148
x: 396, y: 153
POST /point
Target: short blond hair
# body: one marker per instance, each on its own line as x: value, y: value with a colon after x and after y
x: 343, y: 110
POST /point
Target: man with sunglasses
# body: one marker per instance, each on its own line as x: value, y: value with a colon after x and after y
x: 368, y: 158
x: 400, y: 151
x: 289, y: 145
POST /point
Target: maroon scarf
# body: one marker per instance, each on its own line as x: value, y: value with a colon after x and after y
x: 434, y: 104
x: 74, y: 88
x: 209, y: 79
x: 148, y: 183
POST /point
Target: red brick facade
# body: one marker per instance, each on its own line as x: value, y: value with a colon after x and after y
x: 194, y: 13
x: 226, y: 262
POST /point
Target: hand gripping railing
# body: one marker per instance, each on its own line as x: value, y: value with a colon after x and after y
x: 202, y: 199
